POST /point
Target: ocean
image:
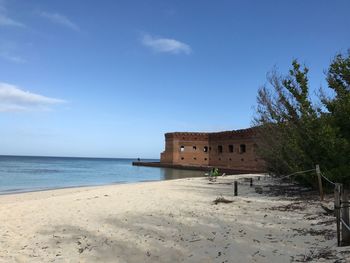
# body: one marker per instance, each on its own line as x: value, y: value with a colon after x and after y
x: 26, y: 173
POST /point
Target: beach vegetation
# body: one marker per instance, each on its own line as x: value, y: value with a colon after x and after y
x: 298, y: 130
x: 213, y: 174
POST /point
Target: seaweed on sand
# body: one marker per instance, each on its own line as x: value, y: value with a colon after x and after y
x: 222, y: 200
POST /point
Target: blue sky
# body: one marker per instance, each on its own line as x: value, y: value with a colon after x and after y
x: 109, y: 78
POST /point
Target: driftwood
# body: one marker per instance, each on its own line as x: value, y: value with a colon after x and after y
x: 328, y: 211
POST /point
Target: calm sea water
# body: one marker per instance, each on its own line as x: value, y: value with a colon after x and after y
x: 21, y: 174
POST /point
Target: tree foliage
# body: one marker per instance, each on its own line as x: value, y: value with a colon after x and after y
x: 294, y: 133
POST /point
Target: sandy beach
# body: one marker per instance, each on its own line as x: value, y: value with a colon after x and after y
x: 169, y: 221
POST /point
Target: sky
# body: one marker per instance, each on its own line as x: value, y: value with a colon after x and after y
x: 109, y: 78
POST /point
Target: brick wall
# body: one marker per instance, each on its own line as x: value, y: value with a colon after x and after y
x: 230, y: 149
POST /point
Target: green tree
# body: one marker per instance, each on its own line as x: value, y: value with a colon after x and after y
x: 337, y: 114
x: 284, y: 114
x: 296, y: 135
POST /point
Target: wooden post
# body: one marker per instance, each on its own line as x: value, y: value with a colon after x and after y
x: 318, y: 172
x: 251, y: 182
x: 337, y: 191
x: 235, y: 188
x: 345, y: 233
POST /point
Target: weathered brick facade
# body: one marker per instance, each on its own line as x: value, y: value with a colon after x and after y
x: 229, y: 149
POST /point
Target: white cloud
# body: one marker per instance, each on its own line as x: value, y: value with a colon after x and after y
x: 61, y: 20
x: 8, y: 51
x: 12, y: 58
x: 12, y: 98
x: 6, y: 20
x: 166, y: 45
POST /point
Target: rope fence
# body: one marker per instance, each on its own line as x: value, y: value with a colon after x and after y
x: 341, y: 203
x: 345, y: 224
x: 329, y: 181
x: 295, y: 173
x: 341, y: 211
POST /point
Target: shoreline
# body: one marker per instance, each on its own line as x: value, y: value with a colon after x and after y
x: 168, y: 221
x: 10, y: 192
x: 5, y: 193
x: 207, y: 168
x: 21, y: 174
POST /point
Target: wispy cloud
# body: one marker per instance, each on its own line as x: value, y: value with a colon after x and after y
x: 166, y: 45
x: 2, y: 5
x: 12, y: 58
x: 5, y: 20
x: 60, y: 19
x: 9, y: 50
x: 13, y: 99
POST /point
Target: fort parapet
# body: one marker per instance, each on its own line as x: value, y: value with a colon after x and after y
x: 228, y: 150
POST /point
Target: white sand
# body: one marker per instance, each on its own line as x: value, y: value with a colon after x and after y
x: 168, y: 221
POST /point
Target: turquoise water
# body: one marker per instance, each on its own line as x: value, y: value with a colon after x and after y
x: 22, y: 174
